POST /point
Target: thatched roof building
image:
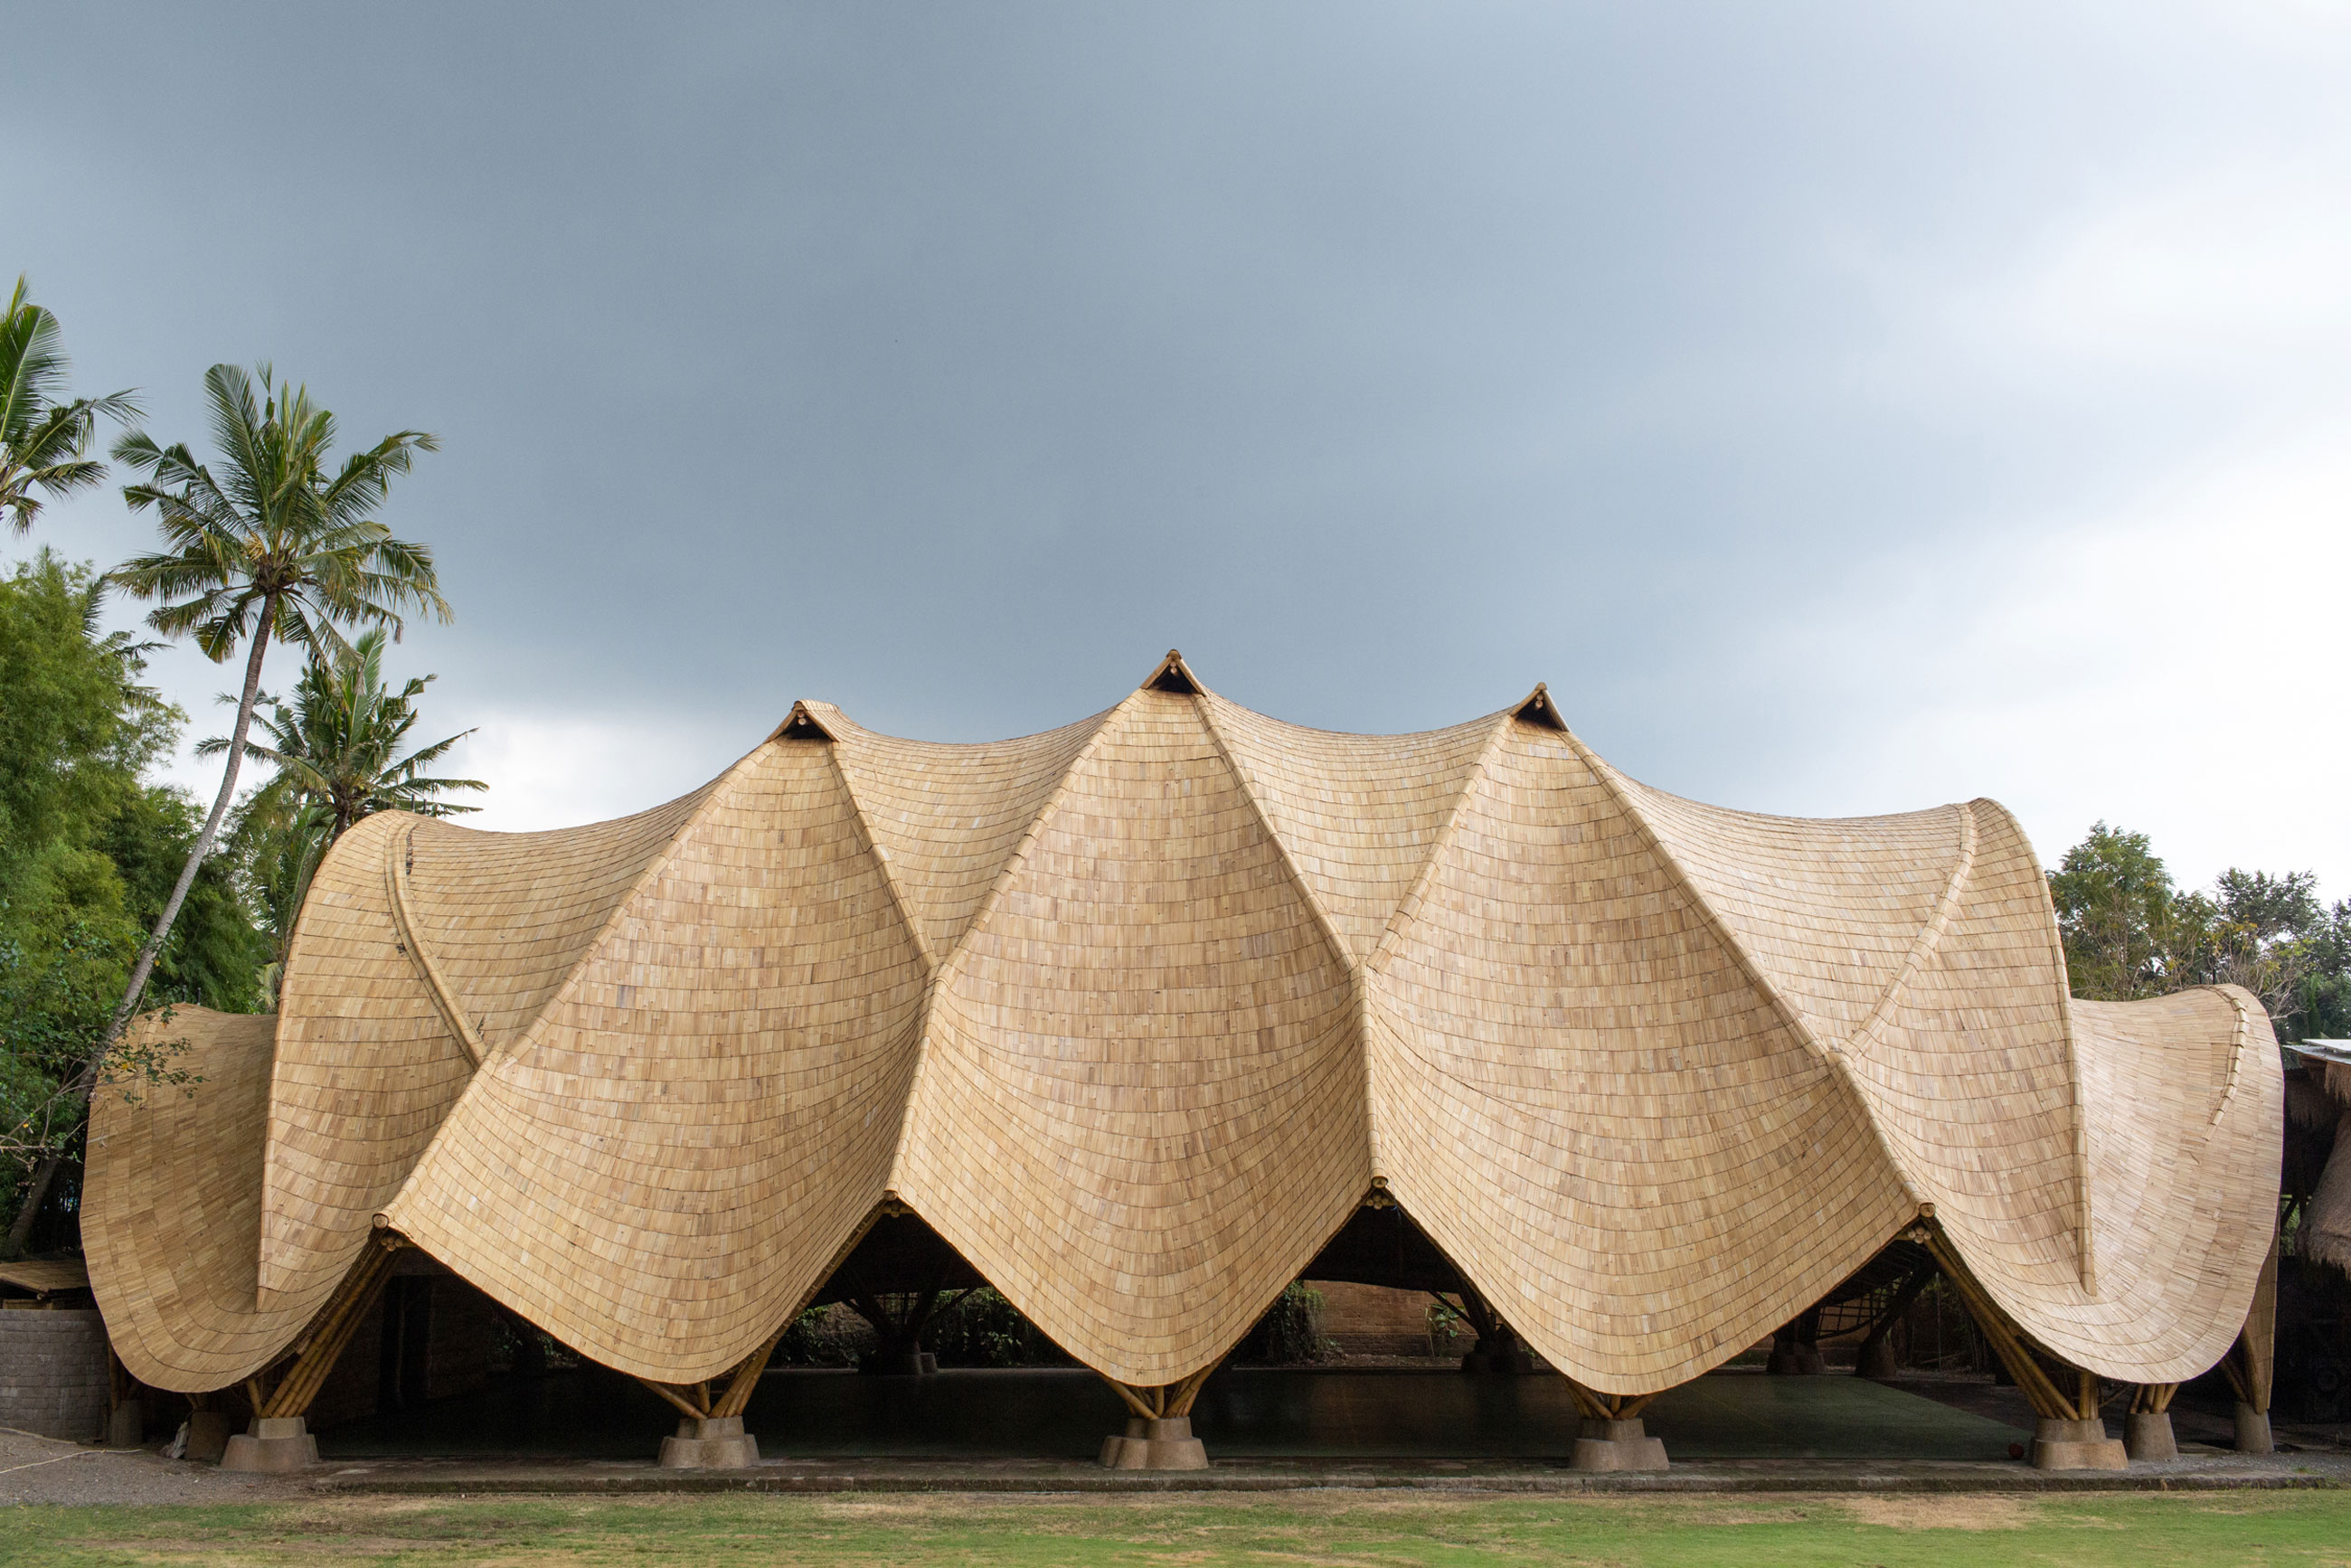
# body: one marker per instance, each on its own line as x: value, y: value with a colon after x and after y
x: 1138, y: 1013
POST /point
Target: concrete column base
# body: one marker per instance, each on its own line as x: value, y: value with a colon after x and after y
x: 713, y: 1443
x: 2146, y: 1435
x: 2253, y: 1431
x: 1876, y: 1362
x: 208, y: 1435
x: 1796, y: 1361
x: 2077, y: 1446
x: 273, y: 1443
x: 1616, y: 1445
x: 1163, y: 1445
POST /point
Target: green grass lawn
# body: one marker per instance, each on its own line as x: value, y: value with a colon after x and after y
x: 2139, y: 1530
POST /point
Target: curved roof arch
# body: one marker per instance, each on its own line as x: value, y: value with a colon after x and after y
x: 1136, y: 1012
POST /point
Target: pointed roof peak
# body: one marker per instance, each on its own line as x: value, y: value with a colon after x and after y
x: 1174, y: 675
x: 1540, y: 710
x: 802, y: 724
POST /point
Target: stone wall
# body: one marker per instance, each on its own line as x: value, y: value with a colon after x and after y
x: 53, y: 1373
x: 1372, y: 1319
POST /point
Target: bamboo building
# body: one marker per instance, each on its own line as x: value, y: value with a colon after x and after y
x: 1143, y: 1019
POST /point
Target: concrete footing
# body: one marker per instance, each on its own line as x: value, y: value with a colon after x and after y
x: 1163, y: 1445
x: 711, y: 1443
x: 1616, y: 1445
x: 208, y: 1435
x: 1796, y: 1361
x: 1877, y: 1362
x: 2253, y: 1431
x: 2146, y: 1435
x: 2077, y: 1446
x: 272, y: 1443
x: 126, y: 1424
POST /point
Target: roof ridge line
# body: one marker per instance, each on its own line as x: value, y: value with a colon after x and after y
x: 2086, y: 1261
x: 1444, y: 836
x: 1838, y: 1069
x: 2237, y: 1045
x: 1358, y: 983
x: 527, y: 1036
x: 1931, y: 935
x: 881, y: 853
x: 1410, y: 901
x: 935, y: 986
x: 399, y: 861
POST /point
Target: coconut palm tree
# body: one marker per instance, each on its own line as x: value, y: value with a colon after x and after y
x: 337, y: 748
x: 337, y: 744
x: 273, y: 544
x: 42, y: 438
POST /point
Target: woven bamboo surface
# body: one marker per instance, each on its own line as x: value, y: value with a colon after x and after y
x: 170, y: 1221
x: 1135, y: 1012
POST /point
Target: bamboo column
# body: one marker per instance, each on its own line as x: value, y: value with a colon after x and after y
x: 2070, y: 1435
x: 280, y: 1438
x: 1158, y: 1434
x: 710, y: 1435
x: 1610, y: 1435
x: 1876, y: 1358
x: 2252, y: 1360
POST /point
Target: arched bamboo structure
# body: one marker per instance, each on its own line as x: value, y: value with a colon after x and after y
x: 1136, y: 1014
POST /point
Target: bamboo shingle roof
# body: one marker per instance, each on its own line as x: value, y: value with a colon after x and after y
x: 1137, y: 1012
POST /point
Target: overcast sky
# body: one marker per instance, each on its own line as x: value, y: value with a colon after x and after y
x: 1844, y: 408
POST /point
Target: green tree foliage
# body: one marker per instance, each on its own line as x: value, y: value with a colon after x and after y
x: 44, y: 434
x: 2131, y: 932
x: 273, y: 544
x: 2115, y: 904
x: 89, y: 852
x: 337, y: 751
x: 278, y: 542
x: 337, y: 744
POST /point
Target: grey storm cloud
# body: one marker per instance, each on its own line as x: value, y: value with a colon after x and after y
x: 951, y: 363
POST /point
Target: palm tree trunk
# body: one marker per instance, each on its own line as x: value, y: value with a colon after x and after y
x: 85, y: 1080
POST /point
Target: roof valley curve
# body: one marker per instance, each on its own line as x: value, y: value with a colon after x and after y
x: 1141, y: 1109
x: 1134, y: 1011
x: 651, y: 867
x: 1058, y: 771
x: 711, y: 1101
x: 172, y: 1169
x: 1358, y: 820
x: 1641, y: 1180
x: 390, y: 1072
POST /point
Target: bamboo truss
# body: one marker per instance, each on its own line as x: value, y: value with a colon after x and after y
x: 1135, y: 1013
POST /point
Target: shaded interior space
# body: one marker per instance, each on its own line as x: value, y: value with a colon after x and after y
x: 1391, y: 1356
x: 1382, y: 1352
x: 1244, y: 1413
